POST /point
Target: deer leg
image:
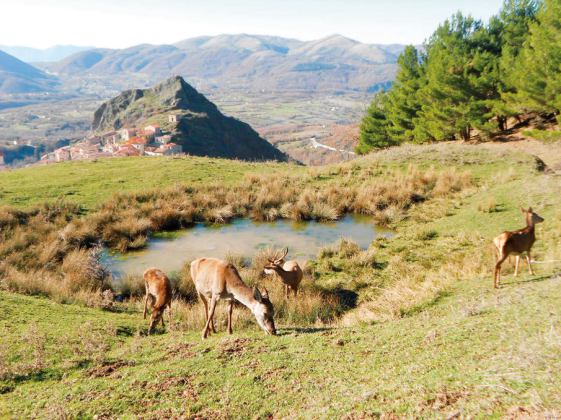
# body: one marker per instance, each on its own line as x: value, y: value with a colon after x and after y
x: 145, y: 304
x: 516, y: 264
x: 162, y: 319
x: 205, y: 304
x: 529, y: 259
x: 210, y: 315
x: 497, y: 279
x: 169, y: 313
x: 287, y: 290
x: 230, y: 310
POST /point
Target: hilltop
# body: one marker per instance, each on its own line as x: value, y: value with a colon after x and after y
x: 19, y: 77
x: 196, y: 123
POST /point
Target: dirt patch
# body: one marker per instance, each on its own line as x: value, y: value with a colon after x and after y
x: 108, y: 368
x: 445, y: 399
x: 184, y: 386
x: 234, y: 348
x: 181, y: 350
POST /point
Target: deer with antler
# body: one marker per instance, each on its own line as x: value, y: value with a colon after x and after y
x: 516, y: 243
x: 219, y: 280
x: 289, y: 272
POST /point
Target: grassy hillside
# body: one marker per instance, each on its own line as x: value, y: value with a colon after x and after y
x: 90, y: 183
x: 426, y: 337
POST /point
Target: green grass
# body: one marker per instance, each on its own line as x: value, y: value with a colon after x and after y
x: 455, y: 346
x: 90, y: 183
x: 476, y: 351
x: 547, y: 136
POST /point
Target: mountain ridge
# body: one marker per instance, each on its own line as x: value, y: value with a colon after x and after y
x: 19, y: 77
x: 245, y: 61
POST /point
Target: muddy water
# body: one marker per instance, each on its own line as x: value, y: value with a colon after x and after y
x: 244, y: 237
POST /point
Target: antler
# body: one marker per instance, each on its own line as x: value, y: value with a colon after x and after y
x: 285, y: 253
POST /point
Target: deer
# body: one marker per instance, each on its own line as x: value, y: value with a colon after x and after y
x: 289, y: 272
x: 219, y: 280
x: 159, y: 292
x: 516, y: 243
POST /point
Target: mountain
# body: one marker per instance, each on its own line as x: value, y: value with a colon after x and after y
x: 247, y: 62
x: 202, y: 129
x: 19, y: 77
x: 36, y: 55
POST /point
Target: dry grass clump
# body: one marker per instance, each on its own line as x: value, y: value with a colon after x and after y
x: 54, y: 238
x: 83, y: 270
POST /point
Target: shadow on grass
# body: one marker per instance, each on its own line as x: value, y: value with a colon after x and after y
x: 530, y: 280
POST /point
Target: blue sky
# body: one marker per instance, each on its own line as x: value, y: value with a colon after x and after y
x: 122, y: 23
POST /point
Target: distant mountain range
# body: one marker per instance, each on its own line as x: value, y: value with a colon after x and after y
x: 36, y: 55
x: 19, y: 77
x: 198, y: 125
x: 247, y: 62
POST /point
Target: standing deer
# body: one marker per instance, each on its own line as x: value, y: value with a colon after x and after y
x: 158, y: 290
x: 516, y: 243
x: 289, y: 272
x: 216, y: 279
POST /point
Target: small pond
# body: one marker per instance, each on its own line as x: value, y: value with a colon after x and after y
x: 244, y: 237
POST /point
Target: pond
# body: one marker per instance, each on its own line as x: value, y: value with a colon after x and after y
x: 243, y: 237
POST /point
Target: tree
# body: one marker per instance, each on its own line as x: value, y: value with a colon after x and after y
x: 374, y: 127
x: 452, y: 99
x: 402, y: 101
x: 538, y: 73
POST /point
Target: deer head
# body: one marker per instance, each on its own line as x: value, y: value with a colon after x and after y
x: 275, y: 262
x: 531, y: 217
x: 155, y: 317
x: 264, y: 311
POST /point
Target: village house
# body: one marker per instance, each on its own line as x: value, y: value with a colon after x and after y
x: 169, y: 149
x: 154, y: 130
x: 127, y: 133
x: 139, y: 143
x: 127, y: 150
x: 174, y: 118
x: 163, y: 139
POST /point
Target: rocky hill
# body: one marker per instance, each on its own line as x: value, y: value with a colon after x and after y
x: 19, y: 77
x: 247, y: 62
x: 201, y: 128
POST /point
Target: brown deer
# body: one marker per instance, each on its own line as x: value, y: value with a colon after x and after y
x: 289, y: 272
x: 158, y: 290
x: 216, y: 279
x: 516, y: 243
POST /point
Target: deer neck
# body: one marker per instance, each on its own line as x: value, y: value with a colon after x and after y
x: 244, y: 294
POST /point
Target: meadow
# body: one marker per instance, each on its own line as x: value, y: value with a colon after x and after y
x: 408, y: 327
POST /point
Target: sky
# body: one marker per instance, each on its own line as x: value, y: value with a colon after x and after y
x: 123, y: 23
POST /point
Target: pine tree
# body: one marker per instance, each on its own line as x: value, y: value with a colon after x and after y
x: 453, y: 100
x: 374, y: 127
x: 538, y: 73
x: 403, y: 103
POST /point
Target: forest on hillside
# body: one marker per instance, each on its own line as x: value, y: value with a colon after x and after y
x: 470, y: 77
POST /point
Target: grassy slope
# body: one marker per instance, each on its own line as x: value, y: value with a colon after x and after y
x: 92, y: 182
x: 470, y: 349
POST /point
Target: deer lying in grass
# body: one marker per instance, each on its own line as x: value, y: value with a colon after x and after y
x: 289, y: 272
x: 158, y: 290
x: 516, y: 243
x: 216, y: 279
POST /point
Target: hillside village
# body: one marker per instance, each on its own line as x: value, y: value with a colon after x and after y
x: 127, y: 142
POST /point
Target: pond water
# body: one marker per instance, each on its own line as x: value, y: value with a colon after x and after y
x: 244, y: 237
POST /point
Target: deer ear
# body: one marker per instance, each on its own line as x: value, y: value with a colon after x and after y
x: 522, y: 210
x: 530, y: 210
x: 257, y: 295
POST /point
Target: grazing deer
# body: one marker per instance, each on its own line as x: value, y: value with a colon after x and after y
x: 289, y: 272
x: 216, y: 279
x: 158, y: 290
x: 516, y: 243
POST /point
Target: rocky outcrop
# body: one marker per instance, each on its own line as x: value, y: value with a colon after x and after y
x: 201, y: 129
